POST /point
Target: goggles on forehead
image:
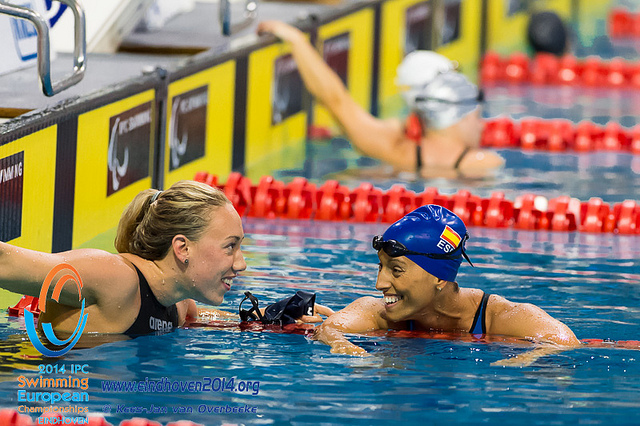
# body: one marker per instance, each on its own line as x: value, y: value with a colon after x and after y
x: 395, y: 248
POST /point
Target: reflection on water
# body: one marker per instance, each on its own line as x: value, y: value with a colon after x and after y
x: 588, y: 281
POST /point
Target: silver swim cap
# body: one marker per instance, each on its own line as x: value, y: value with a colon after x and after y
x: 417, y: 70
x: 447, y: 100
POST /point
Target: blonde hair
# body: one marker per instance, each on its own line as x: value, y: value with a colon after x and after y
x: 149, y: 223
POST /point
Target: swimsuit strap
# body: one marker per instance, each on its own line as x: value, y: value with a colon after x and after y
x: 480, y: 327
x: 455, y: 166
x: 459, y: 160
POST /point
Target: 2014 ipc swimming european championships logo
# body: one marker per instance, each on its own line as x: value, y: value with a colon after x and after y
x: 70, y: 274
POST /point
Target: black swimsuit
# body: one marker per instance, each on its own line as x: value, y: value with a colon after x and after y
x: 153, y: 316
x: 419, y: 158
x: 479, y: 325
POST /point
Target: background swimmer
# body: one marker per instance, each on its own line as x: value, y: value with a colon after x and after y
x: 448, y: 105
x: 419, y: 259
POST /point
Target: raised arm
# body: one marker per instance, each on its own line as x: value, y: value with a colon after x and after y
x: 381, y: 139
x: 362, y: 315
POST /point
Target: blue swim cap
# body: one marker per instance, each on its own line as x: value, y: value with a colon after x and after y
x: 432, y: 229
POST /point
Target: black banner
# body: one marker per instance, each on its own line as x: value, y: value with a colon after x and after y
x: 286, y: 89
x: 11, y: 189
x: 418, y: 35
x: 516, y: 6
x: 188, y: 127
x: 451, y: 27
x: 130, y: 139
x: 336, y: 55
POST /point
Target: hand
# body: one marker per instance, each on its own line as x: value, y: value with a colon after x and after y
x: 515, y: 361
x: 318, y: 310
x: 279, y: 29
x: 525, y: 359
x: 348, y: 348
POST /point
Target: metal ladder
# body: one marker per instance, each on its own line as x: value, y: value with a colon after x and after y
x: 49, y: 87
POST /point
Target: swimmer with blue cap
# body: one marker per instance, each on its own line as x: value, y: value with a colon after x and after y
x: 445, y: 142
x: 420, y: 255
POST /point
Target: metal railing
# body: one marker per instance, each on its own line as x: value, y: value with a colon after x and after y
x: 250, y: 13
x: 49, y: 87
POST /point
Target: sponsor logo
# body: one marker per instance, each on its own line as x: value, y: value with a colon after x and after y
x: 418, y: 29
x: 11, y: 194
x: 25, y: 36
x: 69, y: 274
x: 128, y: 153
x: 160, y: 325
x: 286, y: 90
x: 336, y: 55
x: 451, y: 27
x: 53, y: 14
x: 187, y: 129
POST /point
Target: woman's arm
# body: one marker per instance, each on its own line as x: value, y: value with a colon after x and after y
x: 527, y: 321
x: 209, y: 314
x: 381, y: 139
x: 24, y: 271
x: 361, y: 315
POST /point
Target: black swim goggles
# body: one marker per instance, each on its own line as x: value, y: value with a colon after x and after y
x: 477, y: 100
x: 253, y: 313
x: 395, y: 248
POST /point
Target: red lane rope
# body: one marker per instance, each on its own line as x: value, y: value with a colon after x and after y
x: 331, y: 201
x: 540, y: 134
x: 547, y: 69
x: 623, y: 23
x: 559, y: 135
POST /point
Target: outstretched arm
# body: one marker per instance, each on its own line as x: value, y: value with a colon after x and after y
x: 24, y: 271
x: 381, y: 139
x: 359, y: 316
x: 209, y: 314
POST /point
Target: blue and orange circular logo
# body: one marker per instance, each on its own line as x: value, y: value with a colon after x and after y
x: 70, y: 274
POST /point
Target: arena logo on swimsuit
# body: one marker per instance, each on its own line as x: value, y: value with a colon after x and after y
x: 160, y: 325
x: 449, y: 240
x: 69, y: 273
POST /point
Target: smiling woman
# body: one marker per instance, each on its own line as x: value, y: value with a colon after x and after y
x: 174, y: 246
x: 419, y: 259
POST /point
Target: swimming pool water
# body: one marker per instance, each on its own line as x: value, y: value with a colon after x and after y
x: 588, y: 281
x: 591, y: 282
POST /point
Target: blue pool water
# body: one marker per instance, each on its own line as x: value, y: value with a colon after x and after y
x: 588, y: 281
x: 591, y: 282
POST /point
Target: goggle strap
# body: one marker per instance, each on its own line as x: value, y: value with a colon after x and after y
x: 478, y: 99
x: 254, y: 312
x: 377, y: 240
x: 464, y: 253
